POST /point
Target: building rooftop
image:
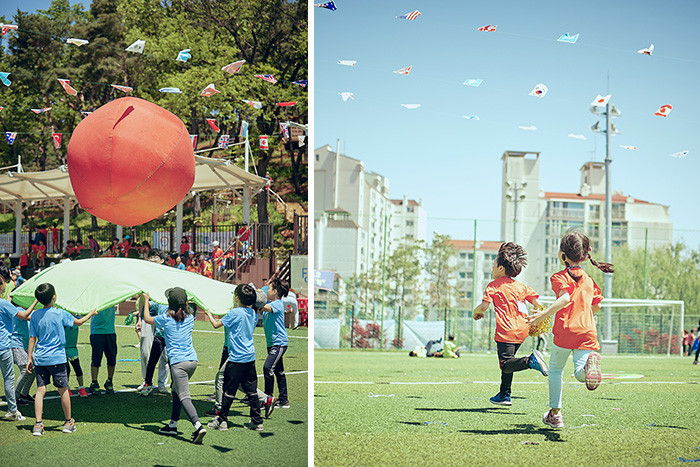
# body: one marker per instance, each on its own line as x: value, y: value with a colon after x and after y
x: 616, y: 198
x: 480, y: 245
x: 410, y: 202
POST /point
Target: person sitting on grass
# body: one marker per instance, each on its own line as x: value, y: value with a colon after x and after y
x: 47, y: 353
x: 240, y: 367
x: 423, y: 352
x: 177, y: 325
x: 508, y: 297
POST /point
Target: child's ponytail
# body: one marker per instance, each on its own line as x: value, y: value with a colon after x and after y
x: 605, y: 267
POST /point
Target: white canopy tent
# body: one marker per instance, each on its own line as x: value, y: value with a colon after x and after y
x: 54, y: 185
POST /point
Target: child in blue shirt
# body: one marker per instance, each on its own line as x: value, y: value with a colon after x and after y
x: 47, y: 352
x: 240, y: 367
x: 277, y: 341
x: 20, y: 344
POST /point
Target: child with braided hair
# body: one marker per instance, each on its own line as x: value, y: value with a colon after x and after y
x: 508, y: 297
x: 578, y: 298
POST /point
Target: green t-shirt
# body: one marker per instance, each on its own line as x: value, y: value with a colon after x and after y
x: 103, y: 322
x: 448, y: 350
x: 72, y: 341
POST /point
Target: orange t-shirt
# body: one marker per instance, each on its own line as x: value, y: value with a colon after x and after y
x: 508, y: 297
x: 574, y: 325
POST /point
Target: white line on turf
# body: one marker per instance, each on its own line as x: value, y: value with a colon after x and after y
x: 497, y: 382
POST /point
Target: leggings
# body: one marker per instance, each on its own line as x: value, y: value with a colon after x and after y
x: 557, y: 362
x: 76, y: 366
x: 26, y: 379
x: 181, y: 373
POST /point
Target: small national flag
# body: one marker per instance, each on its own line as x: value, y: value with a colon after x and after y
x: 234, y: 67
x: 78, y: 42
x: 629, y: 148
x: 329, y: 5
x: 410, y: 16
x: 302, y: 82
x: 1, y: 108
x: 647, y: 51
x: 601, y: 101
x: 223, y: 141
x: 301, y: 140
x: 285, y: 129
x: 347, y: 95
x: 183, y: 55
x: 677, y: 154
x: 474, y: 82
x: 10, y: 136
x: 268, y: 78
x: 488, y: 28
x: 126, y: 89
x: 253, y: 104
x: 263, y: 143
x: 56, y: 140
x: 210, y: 90
x: 663, y: 111
x: 193, y: 138
x: 41, y: 111
x: 403, y: 71
x: 7, y: 27
x: 4, y: 78
x: 347, y: 62
x: 569, y: 38
x: 540, y: 90
x: 212, y: 123
x: 136, y: 47
x: 66, y: 85
x: 244, y: 129
x: 84, y: 113
x: 286, y: 104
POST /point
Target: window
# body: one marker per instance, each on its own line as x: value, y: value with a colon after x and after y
x: 409, y: 223
x: 487, y: 276
x: 316, y: 157
x: 462, y: 275
x: 469, y: 275
x: 594, y: 211
x: 462, y: 256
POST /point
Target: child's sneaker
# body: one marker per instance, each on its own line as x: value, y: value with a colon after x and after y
x: 140, y: 386
x: 69, y: 426
x: 282, y: 404
x: 198, y: 435
x: 211, y: 397
x: 162, y: 389
x: 70, y: 394
x: 537, y: 363
x: 218, y: 424
x: 253, y: 426
x: 82, y: 392
x: 592, y: 368
x: 168, y: 430
x: 38, y: 430
x: 269, y: 405
x: 498, y: 400
x: 212, y: 412
x: 94, y: 388
x: 26, y: 397
x: 555, y: 421
x: 147, y: 389
x: 109, y: 387
x: 15, y: 416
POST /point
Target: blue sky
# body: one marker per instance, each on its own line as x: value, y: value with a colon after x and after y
x: 454, y: 164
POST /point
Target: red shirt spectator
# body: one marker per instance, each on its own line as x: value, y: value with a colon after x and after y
x: 244, y: 233
x: 184, y: 246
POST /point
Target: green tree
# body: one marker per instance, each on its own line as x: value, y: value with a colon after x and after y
x: 438, y: 266
x: 403, y: 271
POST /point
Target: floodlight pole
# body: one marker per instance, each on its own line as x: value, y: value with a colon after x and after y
x: 246, y: 188
x: 607, y: 278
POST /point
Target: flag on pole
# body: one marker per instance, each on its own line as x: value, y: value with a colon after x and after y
x: 263, y: 143
x: 56, y: 140
x: 223, y: 141
x: 410, y: 16
x: 212, y: 123
x: 601, y: 101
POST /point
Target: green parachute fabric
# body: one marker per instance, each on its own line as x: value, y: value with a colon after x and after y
x: 85, y: 284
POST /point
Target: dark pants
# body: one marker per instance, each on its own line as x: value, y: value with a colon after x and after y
x: 428, y: 353
x: 157, y: 349
x: 509, y: 364
x: 274, y: 367
x: 76, y: 366
x: 242, y: 374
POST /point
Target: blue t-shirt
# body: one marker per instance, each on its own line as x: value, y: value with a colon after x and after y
x: 273, y: 323
x: 48, y: 326
x: 156, y: 309
x: 7, y: 314
x: 178, y: 338
x: 182, y: 266
x: 20, y: 333
x: 240, y: 323
x: 103, y: 322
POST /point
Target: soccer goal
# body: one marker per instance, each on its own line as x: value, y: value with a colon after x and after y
x: 642, y: 327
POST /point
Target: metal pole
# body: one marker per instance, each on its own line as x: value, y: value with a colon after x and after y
x: 608, y: 220
x: 246, y: 189
x: 352, y: 327
x: 381, y: 329
x: 515, y: 211
x: 644, y: 289
x: 471, y: 340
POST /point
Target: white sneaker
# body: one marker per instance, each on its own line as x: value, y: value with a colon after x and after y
x: 15, y: 416
x: 138, y: 389
x: 162, y: 389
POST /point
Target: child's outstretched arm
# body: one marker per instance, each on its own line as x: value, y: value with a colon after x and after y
x: 539, y: 316
x: 25, y: 314
x: 143, y: 300
x: 214, y: 322
x: 81, y: 321
x: 480, y: 310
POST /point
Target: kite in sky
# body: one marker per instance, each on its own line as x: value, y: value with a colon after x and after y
x: 136, y: 47
x: 677, y: 154
x: 529, y: 128
x: 7, y: 27
x: 404, y: 71
x: 647, y: 51
x: 302, y: 82
x: 253, y: 104
x: 66, y: 85
x: 347, y: 95
x: 286, y: 104
x: 172, y: 90
x: 78, y: 42
x: 183, y: 55
x: 540, y: 90
x: 581, y: 137
x: 329, y: 5
x: 601, y: 101
x: 410, y: 16
x: 41, y: 111
x: 123, y: 88
x: 664, y: 110
x: 268, y: 78
x: 210, y: 90
x: 212, y: 123
x: 471, y: 117
x: 629, y: 148
x: 488, y: 28
x: 410, y: 106
x: 568, y: 38
x: 234, y: 67
x: 347, y: 62
x: 474, y: 82
x: 4, y: 79
x: 10, y: 137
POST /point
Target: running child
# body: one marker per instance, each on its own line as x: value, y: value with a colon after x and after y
x: 47, y: 353
x: 277, y: 341
x: 177, y: 325
x: 578, y: 298
x: 508, y: 297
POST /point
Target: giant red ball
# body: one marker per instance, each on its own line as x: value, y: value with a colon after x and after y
x: 130, y: 161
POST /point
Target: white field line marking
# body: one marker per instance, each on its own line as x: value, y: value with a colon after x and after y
x: 498, y: 382
x: 216, y: 332
x: 191, y: 382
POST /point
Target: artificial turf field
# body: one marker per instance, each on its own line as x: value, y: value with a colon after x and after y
x: 385, y: 408
x: 122, y: 428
